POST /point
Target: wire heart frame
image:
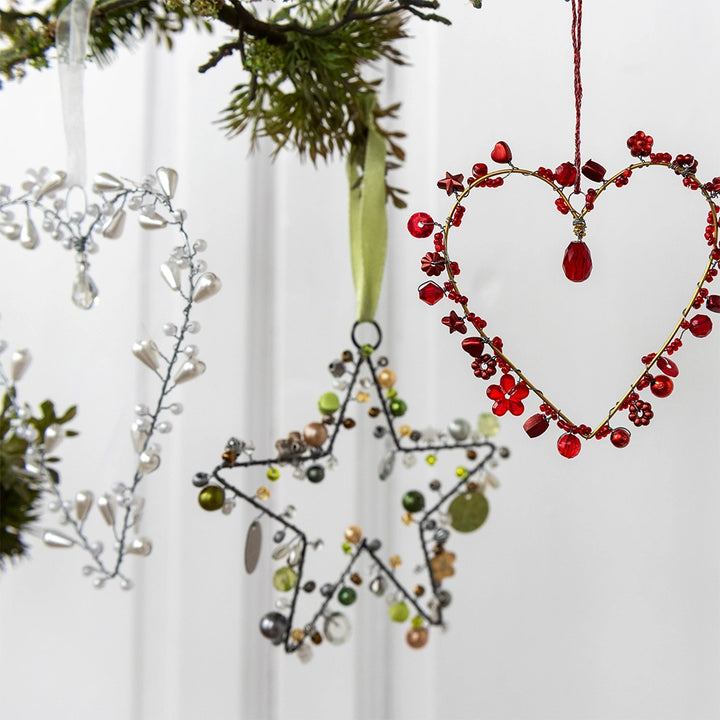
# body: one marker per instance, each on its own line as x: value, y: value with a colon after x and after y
x: 488, y: 352
x: 28, y: 442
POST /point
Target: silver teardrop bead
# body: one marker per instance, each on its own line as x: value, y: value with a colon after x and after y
x: 190, y: 369
x: 84, y: 291
x: 19, y: 363
x: 104, y: 182
x: 30, y: 236
x: 139, y: 546
x: 152, y: 222
x: 57, y: 540
x: 171, y: 274
x: 83, y: 503
x: 208, y: 284
x: 168, y: 179
x: 107, y: 509
x: 115, y: 226
x: 146, y: 351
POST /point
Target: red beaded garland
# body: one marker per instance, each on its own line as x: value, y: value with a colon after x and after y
x: 577, y: 266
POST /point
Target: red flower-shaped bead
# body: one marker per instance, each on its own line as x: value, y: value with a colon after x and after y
x: 640, y: 144
x: 508, y: 395
x: 485, y: 366
x: 432, y: 264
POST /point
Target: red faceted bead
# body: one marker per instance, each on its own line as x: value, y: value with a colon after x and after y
x: 420, y: 225
x: 501, y: 153
x: 479, y: 170
x: 700, y: 326
x: 535, y: 425
x: 566, y: 174
x: 473, y: 346
x: 568, y: 445
x: 661, y: 386
x: 577, y: 261
x: 668, y: 367
x: 620, y: 437
x: 713, y: 303
x: 593, y: 171
x: 431, y: 293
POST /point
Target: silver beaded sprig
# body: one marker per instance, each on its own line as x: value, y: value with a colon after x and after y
x: 75, y: 224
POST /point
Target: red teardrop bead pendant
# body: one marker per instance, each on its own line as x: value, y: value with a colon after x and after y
x: 577, y: 261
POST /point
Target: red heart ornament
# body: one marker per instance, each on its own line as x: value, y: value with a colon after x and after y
x: 514, y: 388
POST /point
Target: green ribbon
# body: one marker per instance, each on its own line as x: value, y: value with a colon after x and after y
x: 368, y: 219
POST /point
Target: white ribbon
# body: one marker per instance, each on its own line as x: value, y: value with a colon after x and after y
x: 71, y: 36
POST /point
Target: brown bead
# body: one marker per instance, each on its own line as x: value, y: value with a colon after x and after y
x: 471, y: 455
x: 419, y: 590
x: 353, y: 534
x: 348, y: 423
x: 386, y: 377
x: 229, y: 457
x: 315, y: 434
x: 316, y: 637
x: 417, y: 637
x: 472, y: 486
x: 347, y: 356
x: 373, y: 411
x: 356, y: 579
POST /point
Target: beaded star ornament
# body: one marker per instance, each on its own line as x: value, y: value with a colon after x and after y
x: 435, y: 509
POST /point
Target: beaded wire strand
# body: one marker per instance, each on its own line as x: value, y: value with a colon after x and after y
x: 184, y: 273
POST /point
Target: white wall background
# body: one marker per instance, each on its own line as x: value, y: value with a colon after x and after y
x: 592, y: 592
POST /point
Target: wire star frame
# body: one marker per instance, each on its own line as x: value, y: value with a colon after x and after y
x: 488, y: 351
x: 462, y: 507
x: 69, y: 219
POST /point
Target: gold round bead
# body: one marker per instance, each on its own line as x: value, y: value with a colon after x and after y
x: 386, y: 378
x: 353, y: 534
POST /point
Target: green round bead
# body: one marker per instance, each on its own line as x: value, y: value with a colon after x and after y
x: 315, y: 473
x: 272, y: 473
x: 397, y: 407
x: 328, y: 403
x: 488, y: 425
x: 346, y: 596
x: 413, y: 501
x: 284, y: 579
x: 366, y: 350
x: 417, y: 621
x: 211, y: 497
x: 468, y: 511
x: 399, y: 612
